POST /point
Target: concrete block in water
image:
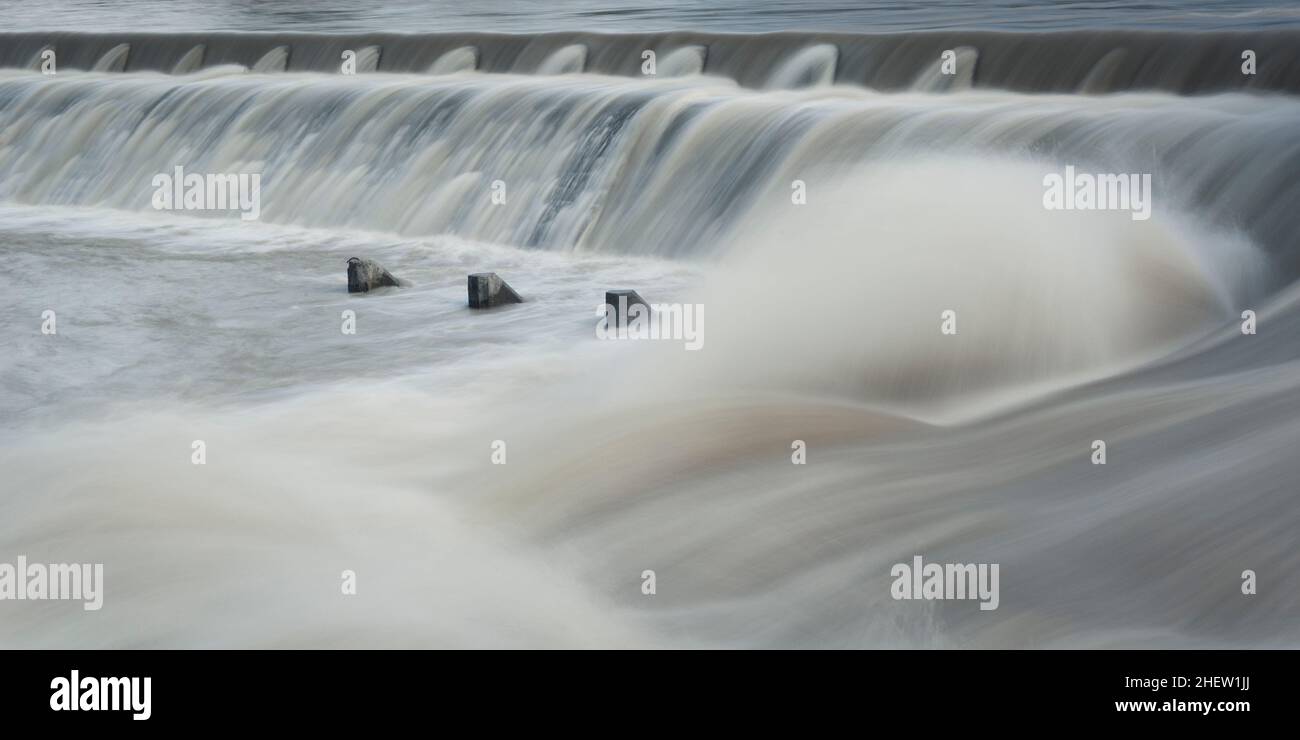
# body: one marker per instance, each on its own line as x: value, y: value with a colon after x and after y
x: 620, y: 303
x: 364, y: 275
x: 486, y: 290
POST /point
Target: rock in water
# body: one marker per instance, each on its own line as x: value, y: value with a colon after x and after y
x: 620, y: 303
x: 486, y: 290
x: 364, y: 275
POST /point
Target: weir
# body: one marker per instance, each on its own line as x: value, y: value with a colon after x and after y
x: 663, y: 168
x: 1066, y: 61
x: 924, y: 193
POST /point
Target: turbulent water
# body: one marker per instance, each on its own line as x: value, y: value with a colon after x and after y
x: 372, y: 452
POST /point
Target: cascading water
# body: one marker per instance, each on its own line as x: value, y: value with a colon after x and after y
x: 464, y: 59
x: 664, y: 167
x: 191, y: 62
x: 275, y: 60
x: 1102, y: 60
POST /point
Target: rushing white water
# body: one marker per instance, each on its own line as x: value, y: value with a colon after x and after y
x: 568, y: 60
x: 665, y: 167
x: 688, y: 60
x: 114, y: 60
x: 464, y: 59
x: 274, y: 60
x: 372, y: 452
x: 191, y: 62
x: 810, y: 67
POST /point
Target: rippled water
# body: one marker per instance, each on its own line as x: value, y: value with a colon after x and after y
x: 696, y: 15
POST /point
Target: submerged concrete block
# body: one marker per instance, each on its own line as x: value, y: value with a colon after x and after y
x: 620, y: 303
x: 486, y: 290
x: 365, y: 275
